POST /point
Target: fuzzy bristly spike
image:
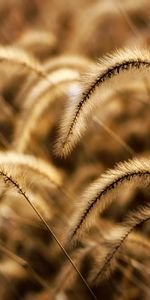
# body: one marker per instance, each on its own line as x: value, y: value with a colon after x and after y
x: 99, y: 195
x: 19, y: 57
x: 109, y: 70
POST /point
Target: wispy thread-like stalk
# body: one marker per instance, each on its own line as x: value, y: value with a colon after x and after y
x: 9, y: 178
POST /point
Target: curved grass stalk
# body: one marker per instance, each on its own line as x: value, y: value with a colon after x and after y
x: 110, y: 69
x: 117, y: 238
x: 80, y: 63
x: 19, y: 57
x: 16, y: 56
x: 33, y: 89
x: 24, y: 264
x: 134, y: 30
x: 33, y: 40
x: 9, y: 177
x: 56, y: 77
x: 37, y: 104
x: 99, y: 195
x: 36, y: 165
